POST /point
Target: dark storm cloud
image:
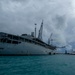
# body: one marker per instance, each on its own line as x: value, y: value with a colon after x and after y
x: 19, y: 16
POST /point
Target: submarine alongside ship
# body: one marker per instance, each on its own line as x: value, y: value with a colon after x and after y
x: 25, y: 44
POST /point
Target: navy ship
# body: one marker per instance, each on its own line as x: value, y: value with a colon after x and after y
x: 25, y: 44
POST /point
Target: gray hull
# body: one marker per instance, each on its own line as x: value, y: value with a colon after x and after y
x: 23, y: 48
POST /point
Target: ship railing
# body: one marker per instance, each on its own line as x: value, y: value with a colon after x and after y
x: 17, y: 39
x: 38, y: 43
x: 8, y: 40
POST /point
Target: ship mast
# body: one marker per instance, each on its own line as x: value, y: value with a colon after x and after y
x: 35, y: 30
x: 40, y: 31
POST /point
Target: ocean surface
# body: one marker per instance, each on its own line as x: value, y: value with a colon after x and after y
x: 37, y: 65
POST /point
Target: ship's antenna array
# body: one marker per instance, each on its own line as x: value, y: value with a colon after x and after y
x: 40, y: 31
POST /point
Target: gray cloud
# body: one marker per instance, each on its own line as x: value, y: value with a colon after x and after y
x: 19, y: 16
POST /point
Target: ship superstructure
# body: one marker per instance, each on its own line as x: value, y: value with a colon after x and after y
x: 25, y: 44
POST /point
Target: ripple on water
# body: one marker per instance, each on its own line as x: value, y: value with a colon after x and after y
x: 37, y: 65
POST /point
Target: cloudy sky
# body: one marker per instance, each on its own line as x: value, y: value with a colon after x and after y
x: 19, y: 16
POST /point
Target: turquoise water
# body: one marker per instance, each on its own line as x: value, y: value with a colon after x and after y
x: 37, y: 65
